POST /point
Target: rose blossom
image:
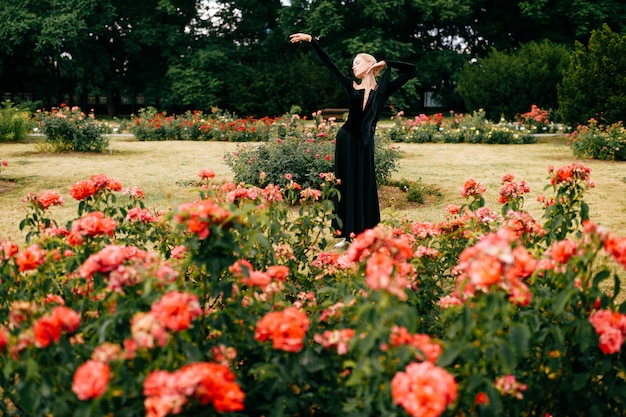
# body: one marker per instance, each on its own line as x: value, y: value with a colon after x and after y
x: 616, y: 246
x: 335, y: 339
x: 102, y: 181
x: 166, y: 392
x: 272, y: 193
x: 94, y: 224
x: 47, y: 329
x: 423, y: 389
x: 426, y: 349
x: 53, y: 298
x: 8, y: 249
x: 108, y: 259
x: 107, y: 352
x: 206, y: 174
x: 611, y: 326
x: 286, y: 329
x: 175, y: 310
x: 140, y: 214
x: 563, y: 250
x: 497, y: 259
x: 4, y: 338
x: 146, y: 330
x: 135, y: 193
x: 472, y: 188
x: 508, y: 385
x: 68, y: 319
x: 91, y: 380
x: 198, y: 217
x: 50, y: 198
x: 30, y: 258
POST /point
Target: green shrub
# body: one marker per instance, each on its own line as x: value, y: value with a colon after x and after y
x: 300, y: 153
x: 69, y: 129
x: 607, y: 143
x: 14, y: 123
x: 415, y: 190
x: 283, y: 161
x: 508, y: 83
x: 593, y: 84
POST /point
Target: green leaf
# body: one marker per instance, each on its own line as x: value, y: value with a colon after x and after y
x: 617, y: 286
x: 601, y: 276
x: 102, y: 336
x: 578, y: 381
x: 32, y: 369
x: 507, y: 357
x: 312, y: 362
x: 520, y: 338
x: 584, y: 211
x: 449, y: 355
x: 83, y: 410
x: 585, y: 336
x: 192, y: 352
x: 561, y: 300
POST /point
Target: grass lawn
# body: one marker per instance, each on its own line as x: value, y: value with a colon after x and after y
x: 161, y: 170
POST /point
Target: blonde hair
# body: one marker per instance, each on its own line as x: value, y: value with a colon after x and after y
x: 367, y: 58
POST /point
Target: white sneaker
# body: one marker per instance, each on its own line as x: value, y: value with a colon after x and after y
x: 341, y: 244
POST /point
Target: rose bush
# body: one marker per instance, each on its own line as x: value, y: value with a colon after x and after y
x: 607, y: 143
x: 301, y: 152
x: 70, y: 129
x: 468, y: 128
x: 151, y: 124
x: 231, y: 303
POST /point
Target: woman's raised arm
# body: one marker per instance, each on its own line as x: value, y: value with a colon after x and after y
x: 300, y: 37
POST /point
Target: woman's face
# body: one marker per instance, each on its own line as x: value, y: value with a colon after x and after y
x: 359, y: 66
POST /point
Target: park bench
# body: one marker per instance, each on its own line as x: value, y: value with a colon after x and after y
x: 337, y: 113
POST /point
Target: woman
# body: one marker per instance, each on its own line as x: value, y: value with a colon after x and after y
x: 357, y: 208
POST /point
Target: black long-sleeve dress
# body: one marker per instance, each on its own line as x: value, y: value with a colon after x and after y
x: 358, y: 207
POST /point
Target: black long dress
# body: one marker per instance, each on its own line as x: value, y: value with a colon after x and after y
x: 358, y: 206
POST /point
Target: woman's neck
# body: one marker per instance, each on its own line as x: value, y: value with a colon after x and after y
x: 368, y: 83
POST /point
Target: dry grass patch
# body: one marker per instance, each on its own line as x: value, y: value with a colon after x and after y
x: 447, y: 166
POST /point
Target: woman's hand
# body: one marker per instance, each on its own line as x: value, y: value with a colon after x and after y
x: 376, y: 68
x: 300, y: 37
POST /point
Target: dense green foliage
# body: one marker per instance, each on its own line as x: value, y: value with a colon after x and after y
x: 15, y: 122
x: 593, y: 85
x: 506, y: 84
x: 117, y: 56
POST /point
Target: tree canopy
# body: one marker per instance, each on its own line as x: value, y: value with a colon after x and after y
x: 118, y: 56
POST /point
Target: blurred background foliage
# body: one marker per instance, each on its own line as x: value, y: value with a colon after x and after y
x: 117, y: 57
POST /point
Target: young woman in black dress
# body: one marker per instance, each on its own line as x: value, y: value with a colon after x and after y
x: 358, y: 208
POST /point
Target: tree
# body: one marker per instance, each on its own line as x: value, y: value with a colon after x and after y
x: 234, y: 54
x: 131, y: 45
x: 565, y: 21
x: 191, y: 83
x: 23, y: 67
x: 506, y: 84
x: 593, y: 84
x: 397, y: 30
x: 93, y: 47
